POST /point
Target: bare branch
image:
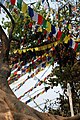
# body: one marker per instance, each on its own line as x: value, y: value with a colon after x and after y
x: 4, y: 39
x: 12, y: 20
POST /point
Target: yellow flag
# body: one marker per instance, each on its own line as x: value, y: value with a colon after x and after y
x: 55, y: 43
x: 69, y: 27
x: 15, y: 51
x: 24, y: 7
x: 40, y: 29
x: 24, y: 50
x: 48, y: 26
x: 19, y: 51
x: 66, y: 39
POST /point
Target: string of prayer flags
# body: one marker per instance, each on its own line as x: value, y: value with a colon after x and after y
x: 35, y: 96
x: 32, y: 75
x: 40, y: 20
x: 45, y: 90
x: 18, y: 74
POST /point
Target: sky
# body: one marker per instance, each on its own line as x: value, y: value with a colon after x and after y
x: 51, y: 94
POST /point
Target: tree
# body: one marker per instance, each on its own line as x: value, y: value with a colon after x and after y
x: 67, y: 72
x: 11, y: 107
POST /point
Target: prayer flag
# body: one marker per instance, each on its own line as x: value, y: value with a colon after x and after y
x: 78, y: 48
x: 35, y: 17
x: 40, y: 19
x: 13, y: 2
x: 53, y: 30
x: 48, y: 26
x: 31, y: 12
x: 73, y: 44
x: 44, y: 23
x: 24, y: 7
x: 19, y: 4
x: 66, y: 39
x: 59, y: 34
x: 43, y: 1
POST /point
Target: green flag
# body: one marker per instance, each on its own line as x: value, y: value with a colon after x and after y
x: 78, y: 48
x: 44, y: 24
x: 19, y: 4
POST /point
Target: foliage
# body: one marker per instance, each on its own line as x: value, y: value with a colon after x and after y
x: 22, y: 31
x: 69, y: 74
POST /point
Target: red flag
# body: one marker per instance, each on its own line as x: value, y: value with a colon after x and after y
x: 13, y: 2
x: 59, y: 34
x: 76, y: 46
x: 30, y: 25
x: 40, y: 19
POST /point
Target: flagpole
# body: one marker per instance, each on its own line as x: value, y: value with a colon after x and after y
x: 70, y: 98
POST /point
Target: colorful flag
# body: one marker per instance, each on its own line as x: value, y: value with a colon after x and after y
x: 24, y: 7
x: 44, y: 23
x: 35, y: 17
x: 40, y: 19
x: 53, y: 30
x: 78, y: 48
x: 48, y: 26
x: 31, y: 12
x: 43, y: 1
x: 19, y: 4
x: 13, y: 2
x: 73, y: 44
x: 67, y: 38
x: 59, y: 34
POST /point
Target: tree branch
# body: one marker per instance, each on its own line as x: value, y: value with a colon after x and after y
x: 12, y: 20
x: 4, y: 39
x: 5, y: 45
x: 76, y: 117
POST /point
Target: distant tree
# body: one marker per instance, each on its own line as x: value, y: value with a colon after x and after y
x: 68, y: 71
